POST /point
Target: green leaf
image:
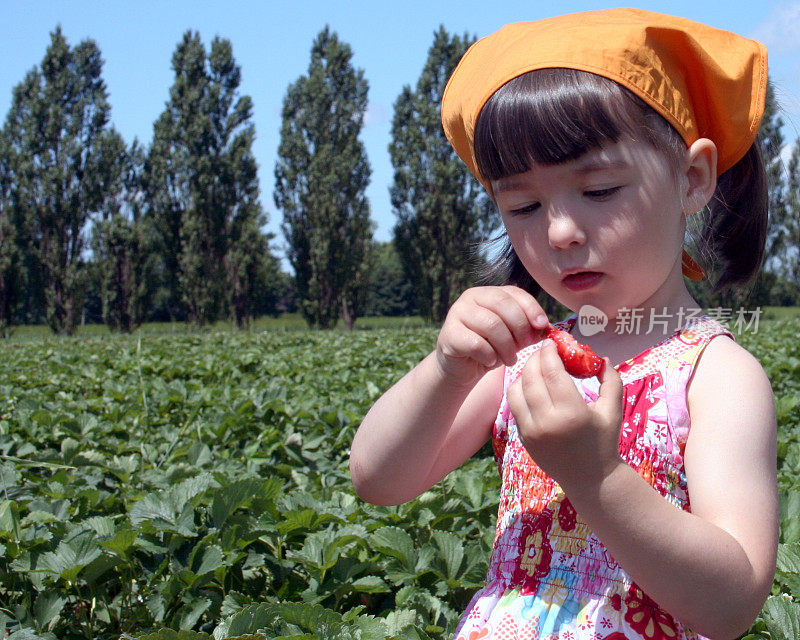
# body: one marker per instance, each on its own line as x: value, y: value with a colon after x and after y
x: 171, y: 634
x: 167, y: 510
x: 398, y: 619
x: 30, y: 634
x: 195, y: 606
x: 451, y: 551
x: 309, y: 617
x: 157, y: 606
x: 395, y: 542
x: 39, y: 517
x: 371, y: 584
x: 103, y: 526
x: 321, y: 549
x: 122, y: 543
x: 213, y: 559
x: 250, y: 619
x: 369, y: 628
x: 297, y: 520
x: 71, y: 555
x: 9, y: 518
x: 782, y: 617
x: 790, y: 515
x: 789, y: 558
x: 47, y: 607
x: 233, y: 602
x: 230, y: 498
x: 154, y: 507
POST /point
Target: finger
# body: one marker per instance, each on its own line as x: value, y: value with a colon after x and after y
x: 465, y: 343
x: 492, y: 327
x: 610, y: 396
x: 518, y: 404
x: 534, y: 313
x: 534, y: 388
x: 519, y: 310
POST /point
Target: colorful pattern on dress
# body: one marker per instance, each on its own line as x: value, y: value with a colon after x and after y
x: 550, y: 577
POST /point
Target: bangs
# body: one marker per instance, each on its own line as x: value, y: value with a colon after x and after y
x: 551, y: 116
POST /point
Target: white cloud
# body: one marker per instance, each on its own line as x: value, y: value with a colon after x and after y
x: 780, y: 31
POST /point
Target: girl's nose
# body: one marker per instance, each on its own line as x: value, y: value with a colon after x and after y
x: 564, y: 231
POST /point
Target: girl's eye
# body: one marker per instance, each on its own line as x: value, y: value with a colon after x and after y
x: 602, y: 194
x: 524, y: 210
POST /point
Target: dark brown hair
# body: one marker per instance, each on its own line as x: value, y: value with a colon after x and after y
x: 550, y: 116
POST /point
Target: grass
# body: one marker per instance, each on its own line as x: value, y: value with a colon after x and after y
x: 285, y: 322
x: 288, y: 322
x: 780, y: 313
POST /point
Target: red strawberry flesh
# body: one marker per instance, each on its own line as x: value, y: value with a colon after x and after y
x: 579, y: 359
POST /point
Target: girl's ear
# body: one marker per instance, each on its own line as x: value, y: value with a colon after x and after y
x: 701, y: 175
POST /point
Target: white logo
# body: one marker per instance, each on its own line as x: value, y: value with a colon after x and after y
x: 591, y: 320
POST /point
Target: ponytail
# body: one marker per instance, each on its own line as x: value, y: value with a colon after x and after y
x: 734, y: 235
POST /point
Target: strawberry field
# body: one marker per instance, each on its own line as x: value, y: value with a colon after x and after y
x: 196, y: 486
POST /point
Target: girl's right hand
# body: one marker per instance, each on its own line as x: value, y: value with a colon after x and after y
x: 484, y: 329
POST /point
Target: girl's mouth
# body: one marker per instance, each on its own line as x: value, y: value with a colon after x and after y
x: 582, y: 280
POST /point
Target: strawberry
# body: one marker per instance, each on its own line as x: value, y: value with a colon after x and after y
x: 579, y: 359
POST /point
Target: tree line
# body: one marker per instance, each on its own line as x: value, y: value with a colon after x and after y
x: 174, y: 230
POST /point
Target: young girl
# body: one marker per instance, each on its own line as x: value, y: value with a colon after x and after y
x: 640, y: 503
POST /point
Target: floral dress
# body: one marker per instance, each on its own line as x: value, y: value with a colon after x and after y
x: 550, y: 577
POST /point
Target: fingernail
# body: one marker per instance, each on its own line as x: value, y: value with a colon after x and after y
x: 541, y: 320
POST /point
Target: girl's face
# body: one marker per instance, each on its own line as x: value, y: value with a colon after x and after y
x: 605, y: 229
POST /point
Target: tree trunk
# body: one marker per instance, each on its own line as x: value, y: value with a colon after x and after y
x: 347, y: 315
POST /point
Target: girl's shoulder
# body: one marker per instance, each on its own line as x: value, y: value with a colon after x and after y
x: 723, y: 369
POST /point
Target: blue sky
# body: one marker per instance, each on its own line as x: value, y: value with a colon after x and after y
x: 271, y: 42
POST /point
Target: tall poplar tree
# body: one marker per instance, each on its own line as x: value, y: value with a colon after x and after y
x: 390, y: 293
x: 788, y: 243
x: 120, y: 242
x: 772, y: 143
x: 55, y: 129
x: 204, y: 186
x: 442, y: 211
x: 321, y: 176
x: 11, y: 271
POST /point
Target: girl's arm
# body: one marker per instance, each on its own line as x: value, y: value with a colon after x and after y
x: 711, y: 568
x: 442, y: 411
x: 419, y: 431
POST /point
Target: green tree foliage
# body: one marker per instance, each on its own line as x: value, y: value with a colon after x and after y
x: 11, y: 275
x: 390, y: 293
x: 204, y: 187
x: 442, y: 212
x: 55, y: 129
x: 120, y: 242
x: 789, y: 238
x: 321, y: 176
x: 252, y: 272
x: 783, y: 239
x: 772, y: 143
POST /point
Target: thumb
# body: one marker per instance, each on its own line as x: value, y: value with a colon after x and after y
x: 610, y: 397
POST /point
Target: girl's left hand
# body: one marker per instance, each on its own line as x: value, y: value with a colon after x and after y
x: 576, y: 443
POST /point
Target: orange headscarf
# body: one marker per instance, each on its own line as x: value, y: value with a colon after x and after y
x: 706, y: 82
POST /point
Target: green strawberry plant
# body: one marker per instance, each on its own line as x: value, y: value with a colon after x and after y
x: 195, y: 486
